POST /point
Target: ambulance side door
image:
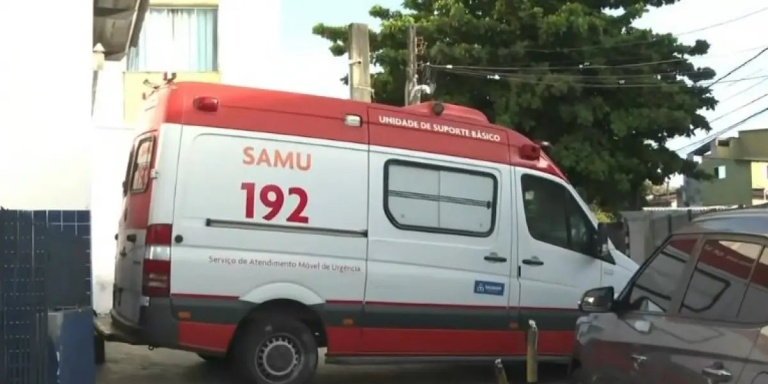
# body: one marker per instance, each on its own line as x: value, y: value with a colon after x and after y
x: 439, y: 262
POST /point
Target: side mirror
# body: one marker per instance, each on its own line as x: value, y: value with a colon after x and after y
x: 601, y: 241
x: 597, y: 300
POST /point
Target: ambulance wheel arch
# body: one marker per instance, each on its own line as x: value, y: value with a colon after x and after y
x: 277, y: 342
x: 275, y: 349
x: 287, y: 300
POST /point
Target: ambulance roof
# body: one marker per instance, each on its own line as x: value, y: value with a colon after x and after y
x: 455, y: 131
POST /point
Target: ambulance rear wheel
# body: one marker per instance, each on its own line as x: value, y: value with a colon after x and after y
x: 277, y: 350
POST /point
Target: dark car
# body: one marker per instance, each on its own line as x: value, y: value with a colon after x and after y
x: 695, y: 312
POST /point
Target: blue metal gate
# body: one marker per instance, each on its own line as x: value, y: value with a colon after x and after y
x: 44, y: 267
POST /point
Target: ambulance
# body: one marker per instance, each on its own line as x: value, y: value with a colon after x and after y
x: 258, y: 226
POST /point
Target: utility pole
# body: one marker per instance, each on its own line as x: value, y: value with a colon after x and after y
x: 359, y: 63
x: 411, y: 77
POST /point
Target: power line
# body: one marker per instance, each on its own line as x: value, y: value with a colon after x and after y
x: 531, y: 79
x: 727, y: 129
x: 741, y: 91
x: 739, y: 108
x: 750, y: 87
x: 589, y: 66
x: 489, y: 70
x: 698, y: 57
x: 725, y: 22
x: 721, y: 80
x: 740, y: 66
x: 450, y: 66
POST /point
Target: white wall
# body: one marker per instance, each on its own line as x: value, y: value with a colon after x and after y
x: 109, y: 161
x: 108, y: 110
x: 45, y: 122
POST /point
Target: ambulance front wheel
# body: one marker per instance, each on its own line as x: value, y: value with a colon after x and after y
x: 277, y: 350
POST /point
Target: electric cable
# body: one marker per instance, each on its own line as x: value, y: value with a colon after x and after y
x: 727, y: 129
x: 705, y: 28
x: 620, y: 83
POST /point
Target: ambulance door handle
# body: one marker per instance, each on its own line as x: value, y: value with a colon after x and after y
x: 131, y: 237
x: 494, y: 257
x: 534, y: 261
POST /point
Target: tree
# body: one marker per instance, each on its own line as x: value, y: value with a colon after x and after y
x: 584, y: 83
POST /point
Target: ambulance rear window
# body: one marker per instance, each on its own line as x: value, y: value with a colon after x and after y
x: 142, y: 164
x: 127, y: 177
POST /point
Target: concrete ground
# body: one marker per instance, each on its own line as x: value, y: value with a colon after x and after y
x: 129, y: 365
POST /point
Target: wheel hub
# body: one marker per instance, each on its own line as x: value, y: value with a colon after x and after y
x: 278, y: 357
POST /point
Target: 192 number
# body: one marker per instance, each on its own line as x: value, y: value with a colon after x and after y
x: 272, y: 197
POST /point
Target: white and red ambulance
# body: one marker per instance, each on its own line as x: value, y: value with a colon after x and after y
x: 260, y: 225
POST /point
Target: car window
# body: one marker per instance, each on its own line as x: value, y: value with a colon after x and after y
x: 754, y: 307
x: 554, y: 216
x: 719, y: 279
x: 653, y: 289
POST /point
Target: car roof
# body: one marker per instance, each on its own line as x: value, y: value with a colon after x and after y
x: 743, y: 221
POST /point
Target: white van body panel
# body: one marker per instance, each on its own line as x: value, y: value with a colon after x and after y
x: 410, y: 266
x: 356, y: 248
x: 235, y: 256
x: 165, y: 172
x: 565, y: 274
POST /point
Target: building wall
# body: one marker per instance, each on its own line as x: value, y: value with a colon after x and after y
x: 247, y: 44
x: 133, y: 88
x: 735, y: 188
x: 760, y: 174
x: 753, y: 144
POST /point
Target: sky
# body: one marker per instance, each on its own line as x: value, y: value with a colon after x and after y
x: 731, y: 44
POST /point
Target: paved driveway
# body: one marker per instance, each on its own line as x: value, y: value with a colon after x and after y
x: 131, y: 365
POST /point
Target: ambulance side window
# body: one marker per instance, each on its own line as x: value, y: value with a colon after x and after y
x: 554, y: 216
x: 141, y: 165
x: 127, y: 177
x: 436, y: 199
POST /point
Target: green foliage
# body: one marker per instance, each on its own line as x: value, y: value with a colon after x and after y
x: 609, y: 139
x: 602, y: 216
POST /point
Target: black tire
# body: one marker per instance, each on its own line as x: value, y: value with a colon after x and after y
x: 276, y: 350
x: 212, y: 359
x: 99, y: 350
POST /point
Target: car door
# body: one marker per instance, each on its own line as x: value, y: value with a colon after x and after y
x: 438, y: 271
x: 617, y: 347
x: 705, y: 343
x: 753, y: 316
x: 554, y: 237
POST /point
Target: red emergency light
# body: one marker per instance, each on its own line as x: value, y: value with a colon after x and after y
x: 530, y: 152
x: 206, y: 104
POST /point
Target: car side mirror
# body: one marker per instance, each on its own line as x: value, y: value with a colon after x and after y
x: 597, y: 300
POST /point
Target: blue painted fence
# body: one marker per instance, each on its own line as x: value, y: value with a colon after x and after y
x: 44, y: 269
